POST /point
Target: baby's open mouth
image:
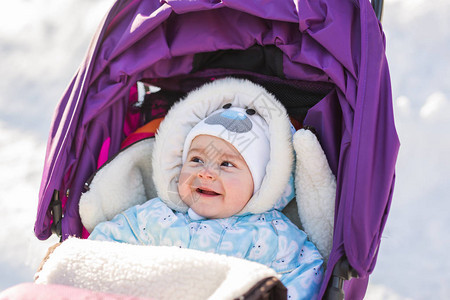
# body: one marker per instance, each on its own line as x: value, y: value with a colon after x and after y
x: 206, y: 192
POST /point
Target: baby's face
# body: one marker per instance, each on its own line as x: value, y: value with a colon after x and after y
x: 215, y: 180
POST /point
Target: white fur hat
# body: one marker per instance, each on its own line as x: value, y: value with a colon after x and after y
x: 203, y: 102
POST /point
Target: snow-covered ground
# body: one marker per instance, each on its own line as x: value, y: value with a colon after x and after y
x: 42, y: 43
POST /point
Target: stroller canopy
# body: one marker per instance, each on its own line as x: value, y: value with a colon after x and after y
x: 332, y: 48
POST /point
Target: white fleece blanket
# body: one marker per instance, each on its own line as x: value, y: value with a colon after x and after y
x: 150, y: 271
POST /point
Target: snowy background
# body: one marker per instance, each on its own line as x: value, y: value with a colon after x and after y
x: 43, y: 42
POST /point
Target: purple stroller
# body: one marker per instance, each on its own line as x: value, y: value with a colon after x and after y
x: 325, y: 60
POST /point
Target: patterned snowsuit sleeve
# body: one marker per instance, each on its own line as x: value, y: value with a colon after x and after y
x: 127, y: 227
x: 297, y: 261
x: 118, y: 229
x: 304, y: 282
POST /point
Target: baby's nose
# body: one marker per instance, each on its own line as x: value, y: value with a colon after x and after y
x: 207, y: 173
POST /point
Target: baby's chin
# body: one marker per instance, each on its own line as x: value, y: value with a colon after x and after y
x: 207, y: 214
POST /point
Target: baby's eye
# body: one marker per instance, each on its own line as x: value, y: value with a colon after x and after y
x: 196, y: 159
x: 226, y: 164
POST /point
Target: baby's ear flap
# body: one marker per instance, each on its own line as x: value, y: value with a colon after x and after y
x: 121, y: 183
x: 316, y: 190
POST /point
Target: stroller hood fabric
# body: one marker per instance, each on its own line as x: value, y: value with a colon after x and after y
x: 339, y: 44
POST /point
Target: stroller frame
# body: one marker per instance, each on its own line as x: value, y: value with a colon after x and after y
x: 362, y: 109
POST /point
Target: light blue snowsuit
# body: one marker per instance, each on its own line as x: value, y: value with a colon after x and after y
x: 269, y: 238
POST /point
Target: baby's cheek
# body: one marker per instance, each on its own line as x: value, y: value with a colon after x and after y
x: 243, y: 186
x: 234, y: 186
x: 240, y: 191
x: 240, y: 184
x: 183, y: 186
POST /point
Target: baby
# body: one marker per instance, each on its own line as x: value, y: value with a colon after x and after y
x: 227, y: 194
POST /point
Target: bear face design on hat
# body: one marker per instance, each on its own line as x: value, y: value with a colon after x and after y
x: 233, y: 120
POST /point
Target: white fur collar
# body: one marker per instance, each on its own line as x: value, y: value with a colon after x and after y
x: 121, y: 183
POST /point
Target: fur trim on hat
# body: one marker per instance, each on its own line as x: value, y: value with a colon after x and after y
x: 200, y: 103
